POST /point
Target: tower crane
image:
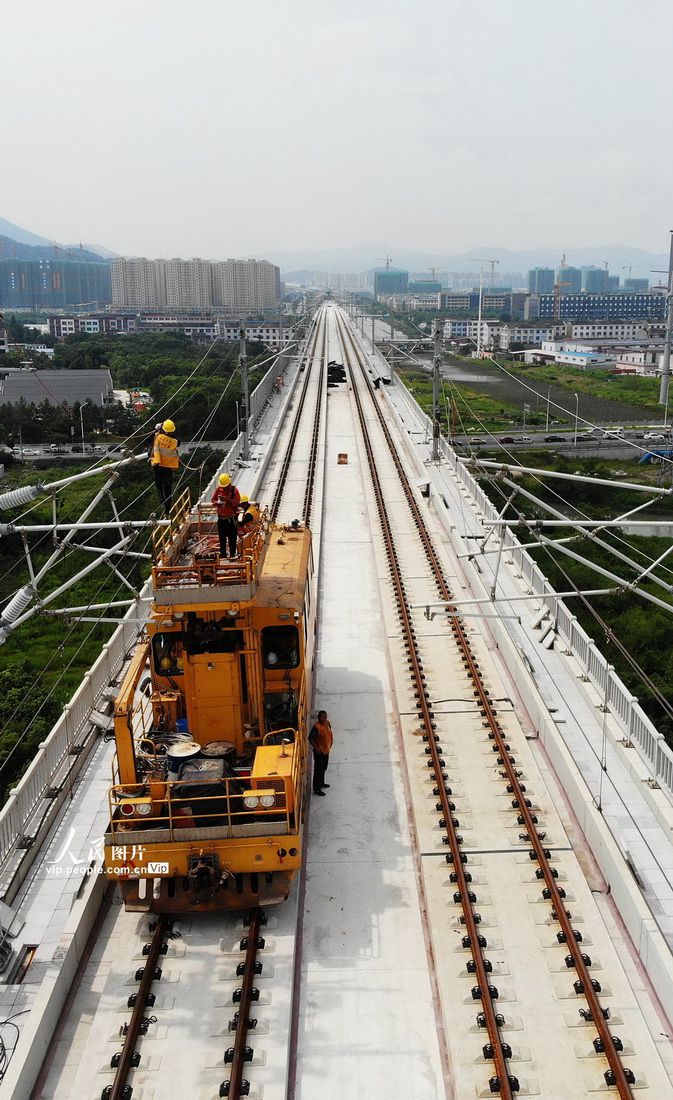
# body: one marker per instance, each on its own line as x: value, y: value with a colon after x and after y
x: 556, y: 289
x: 387, y: 260
x: 493, y: 263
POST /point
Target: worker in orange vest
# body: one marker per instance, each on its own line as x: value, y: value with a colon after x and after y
x: 321, y: 740
x: 227, y: 501
x: 164, y: 460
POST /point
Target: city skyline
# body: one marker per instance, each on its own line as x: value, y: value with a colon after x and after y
x: 511, y: 124
x: 367, y: 257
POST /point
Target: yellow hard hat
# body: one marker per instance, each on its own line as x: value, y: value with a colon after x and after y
x: 224, y: 480
x: 245, y: 498
x: 168, y: 426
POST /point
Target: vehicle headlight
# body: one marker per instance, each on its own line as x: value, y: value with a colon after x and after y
x: 144, y: 808
x: 251, y: 801
x: 267, y: 800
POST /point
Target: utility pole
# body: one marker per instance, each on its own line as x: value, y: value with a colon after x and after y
x: 436, y: 364
x: 666, y: 366
x: 245, y: 397
x: 373, y: 344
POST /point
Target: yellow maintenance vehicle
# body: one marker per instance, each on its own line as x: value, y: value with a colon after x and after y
x: 208, y: 788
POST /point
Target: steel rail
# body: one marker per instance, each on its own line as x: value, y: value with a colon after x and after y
x: 313, y: 456
x: 287, y: 459
x: 605, y: 1043
x: 126, y: 1061
x: 459, y: 875
x: 240, y: 1053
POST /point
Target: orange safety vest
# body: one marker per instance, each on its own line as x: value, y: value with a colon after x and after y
x: 322, y: 739
x: 250, y: 509
x: 165, y: 451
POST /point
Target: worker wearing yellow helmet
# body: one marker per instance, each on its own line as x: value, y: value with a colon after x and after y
x: 249, y: 514
x: 226, y: 499
x: 164, y: 459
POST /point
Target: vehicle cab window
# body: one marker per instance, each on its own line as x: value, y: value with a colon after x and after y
x: 167, y: 654
x: 280, y: 647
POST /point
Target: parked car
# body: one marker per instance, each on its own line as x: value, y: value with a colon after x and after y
x: 522, y: 439
x: 554, y: 439
x: 654, y: 436
x: 82, y: 448
x: 477, y: 442
x: 506, y: 439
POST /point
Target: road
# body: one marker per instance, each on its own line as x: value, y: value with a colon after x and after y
x: 42, y: 452
x: 627, y: 445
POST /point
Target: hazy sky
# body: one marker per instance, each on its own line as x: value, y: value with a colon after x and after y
x: 214, y: 128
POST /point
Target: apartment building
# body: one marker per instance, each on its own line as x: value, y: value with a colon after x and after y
x: 188, y: 284
x: 138, y: 283
x: 234, y: 287
x: 53, y: 284
x: 245, y: 286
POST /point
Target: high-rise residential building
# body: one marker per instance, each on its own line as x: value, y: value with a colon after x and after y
x: 138, y: 283
x: 246, y: 286
x: 40, y: 284
x: 188, y: 284
x: 541, y: 280
x: 235, y: 286
x: 636, y: 284
x: 569, y: 279
x: 596, y: 280
x: 390, y: 280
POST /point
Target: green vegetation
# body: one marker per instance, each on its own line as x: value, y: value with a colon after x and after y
x: 627, y: 618
x: 21, y: 331
x: 160, y: 363
x: 628, y: 388
x: 472, y: 410
x: 44, y: 661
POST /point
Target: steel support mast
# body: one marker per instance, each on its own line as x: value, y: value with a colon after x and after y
x: 245, y: 396
x: 436, y: 364
x: 666, y: 365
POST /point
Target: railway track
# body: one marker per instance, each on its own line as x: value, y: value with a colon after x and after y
x: 236, y: 1056
x: 155, y: 998
x: 130, y: 1056
x: 242, y: 1023
x: 289, y: 454
x: 497, y: 1048
x: 148, y: 1014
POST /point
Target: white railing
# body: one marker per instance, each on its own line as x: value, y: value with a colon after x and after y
x: 73, y: 727
x: 630, y: 716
